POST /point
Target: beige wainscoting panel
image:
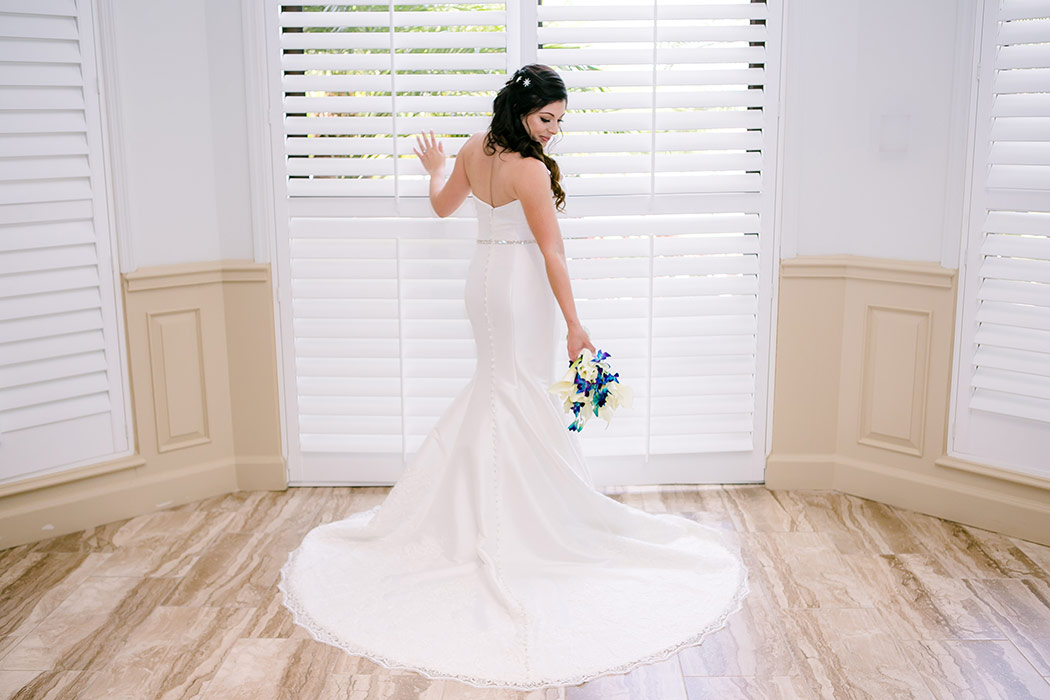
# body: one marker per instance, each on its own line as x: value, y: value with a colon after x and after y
x: 176, y: 352
x: 862, y: 390
x: 893, y: 391
x: 202, y: 360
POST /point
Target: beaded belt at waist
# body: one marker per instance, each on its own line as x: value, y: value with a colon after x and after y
x: 495, y: 240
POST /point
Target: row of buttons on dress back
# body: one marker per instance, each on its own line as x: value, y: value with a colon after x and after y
x: 496, y: 477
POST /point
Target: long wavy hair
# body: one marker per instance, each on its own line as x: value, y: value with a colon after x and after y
x: 529, y: 89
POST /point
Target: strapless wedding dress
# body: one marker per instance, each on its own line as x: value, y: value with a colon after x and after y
x: 493, y: 560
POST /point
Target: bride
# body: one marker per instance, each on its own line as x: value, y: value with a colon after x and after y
x: 493, y: 560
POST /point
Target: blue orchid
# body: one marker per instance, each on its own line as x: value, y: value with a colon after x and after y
x: 589, y: 382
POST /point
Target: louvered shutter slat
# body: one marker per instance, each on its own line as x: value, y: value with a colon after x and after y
x: 67, y: 407
x: 43, y: 305
x: 1023, y: 9
x: 1021, y: 153
x: 1004, y: 336
x: 49, y: 370
x: 1036, y: 387
x: 49, y: 280
x: 42, y: 144
x: 1032, y: 31
x: 1010, y: 314
x: 65, y: 8
x: 1019, y: 56
x: 19, y: 354
x: 1018, y: 246
x: 1010, y: 268
x: 38, y: 26
x: 1011, y: 405
x: 39, y: 51
x: 1012, y: 359
x: 1018, y: 292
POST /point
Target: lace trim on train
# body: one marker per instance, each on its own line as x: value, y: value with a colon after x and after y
x: 318, y: 633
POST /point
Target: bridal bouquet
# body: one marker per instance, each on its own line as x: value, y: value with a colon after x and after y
x: 589, y: 388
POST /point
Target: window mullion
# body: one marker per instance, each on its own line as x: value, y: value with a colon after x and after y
x: 652, y: 245
x: 652, y: 124
x: 522, y: 38
x: 393, y: 106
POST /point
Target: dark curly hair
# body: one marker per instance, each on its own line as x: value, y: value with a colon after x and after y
x: 530, y: 88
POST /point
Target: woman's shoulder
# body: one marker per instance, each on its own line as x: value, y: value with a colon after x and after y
x: 532, y: 167
x: 474, y: 142
x: 471, y: 145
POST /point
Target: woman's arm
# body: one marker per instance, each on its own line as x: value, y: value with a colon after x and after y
x: 445, y: 196
x: 532, y: 185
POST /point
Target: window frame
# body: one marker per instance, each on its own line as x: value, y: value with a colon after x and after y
x: 584, y: 205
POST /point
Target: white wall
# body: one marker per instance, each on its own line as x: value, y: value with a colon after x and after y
x: 876, y: 100
x: 182, y: 102
x: 875, y: 136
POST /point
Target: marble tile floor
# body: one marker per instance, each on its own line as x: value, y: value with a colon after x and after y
x: 850, y: 599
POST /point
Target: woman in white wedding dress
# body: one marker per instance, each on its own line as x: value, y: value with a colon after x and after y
x: 493, y: 560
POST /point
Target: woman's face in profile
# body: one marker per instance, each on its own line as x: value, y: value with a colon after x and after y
x: 545, y: 122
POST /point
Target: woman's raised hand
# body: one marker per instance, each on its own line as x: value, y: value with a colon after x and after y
x: 431, y: 153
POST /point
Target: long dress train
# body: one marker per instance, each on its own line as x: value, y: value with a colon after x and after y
x: 493, y: 560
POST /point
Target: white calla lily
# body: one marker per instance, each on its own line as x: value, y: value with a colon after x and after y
x: 562, y: 387
x: 581, y: 403
x: 589, y: 371
x: 621, y: 394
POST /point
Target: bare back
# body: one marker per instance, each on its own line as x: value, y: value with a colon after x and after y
x: 491, y: 177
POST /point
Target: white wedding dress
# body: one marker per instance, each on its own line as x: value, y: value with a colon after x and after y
x: 493, y: 560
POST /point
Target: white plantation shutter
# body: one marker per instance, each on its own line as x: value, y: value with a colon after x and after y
x: 665, y: 96
x: 359, y: 85
x: 61, y: 388
x: 675, y: 299
x: 665, y: 99
x: 1003, y: 414
x: 374, y: 286
x: 382, y: 340
x: 669, y: 132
